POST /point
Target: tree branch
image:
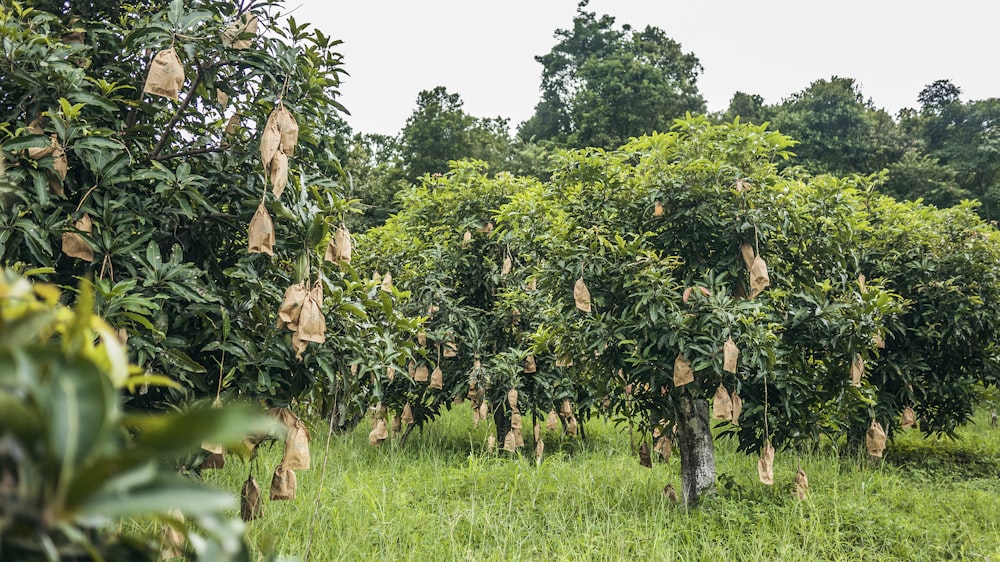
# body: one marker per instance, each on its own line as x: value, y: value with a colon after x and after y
x: 169, y: 129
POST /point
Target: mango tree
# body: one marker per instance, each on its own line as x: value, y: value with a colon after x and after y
x: 464, y: 280
x: 176, y: 154
x: 690, y: 247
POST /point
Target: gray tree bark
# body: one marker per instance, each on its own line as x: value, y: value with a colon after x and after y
x: 694, y: 439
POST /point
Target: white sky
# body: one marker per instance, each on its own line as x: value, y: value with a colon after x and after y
x: 484, y: 51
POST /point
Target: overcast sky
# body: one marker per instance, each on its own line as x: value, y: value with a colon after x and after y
x: 484, y: 51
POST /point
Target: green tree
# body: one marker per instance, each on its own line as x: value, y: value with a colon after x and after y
x: 749, y: 108
x: 439, y: 130
x: 169, y: 187
x: 918, y: 176
x: 964, y: 137
x: 837, y: 129
x: 602, y: 85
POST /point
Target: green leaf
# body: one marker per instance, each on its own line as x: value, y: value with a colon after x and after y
x: 119, y: 499
x: 26, y: 142
x: 182, y: 360
x: 97, y: 143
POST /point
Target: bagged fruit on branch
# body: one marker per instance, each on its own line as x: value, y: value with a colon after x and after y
x: 166, y: 75
x: 73, y: 245
x: 250, y: 505
x: 765, y: 466
x: 730, y: 355
x: 261, y: 232
x: 283, y: 483
x: 581, y: 294
x: 683, y: 373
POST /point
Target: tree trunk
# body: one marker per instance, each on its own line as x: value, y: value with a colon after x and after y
x: 694, y: 439
x: 502, y: 420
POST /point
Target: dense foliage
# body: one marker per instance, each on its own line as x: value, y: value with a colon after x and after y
x: 647, y: 225
x: 170, y: 186
x: 73, y: 465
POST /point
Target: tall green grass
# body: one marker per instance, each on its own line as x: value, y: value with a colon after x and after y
x: 442, y: 496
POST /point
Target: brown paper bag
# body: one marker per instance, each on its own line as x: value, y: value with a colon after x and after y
x: 737, y: 408
x: 379, y: 433
x: 261, y: 232
x: 644, y: 457
x: 339, y: 248
x: 730, y: 355
x: 657, y: 209
x: 564, y: 362
x: 420, y: 373
x: 515, y: 421
x: 722, y: 404
x: 518, y: 438
x: 571, y: 426
x: 250, y: 505
x: 664, y: 447
x: 450, y: 349
x: 857, y: 369
x: 759, y: 278
x: 407, y: 416
x: 539, y: 449
x: 37, y: 153
x: 289, y: 132
x: 566, y: 408
x: 284, y: 416
x: 530, y: 366
x: 247, y: 24
x: 270, y: 142
x: 387, y: 282
x: 512, y: 398
x: 683, y: 373
x: 908, y: 418
x: 60, y: 164
x: 510, y: 441
x: 875, y: 439
x: 312, y: 323
x: 581, y: 294
x: 283, y: 484
x: 765, y: 466
x: 166, y: 75
x: 801, y: 486
x: 298, y: 345
x: 73, y: 245
x: 437, y: 378
x: 216, y: 460
x: 552, y: 421
x: 291, y: 306
x: 879, y: 340
x: 173, y: 540
x: 279, y: 174
x: 508, y: 264
x: 746, y: 250
x: 297, y: 455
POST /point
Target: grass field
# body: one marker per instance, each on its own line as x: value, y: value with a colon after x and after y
x: 441, y: 496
